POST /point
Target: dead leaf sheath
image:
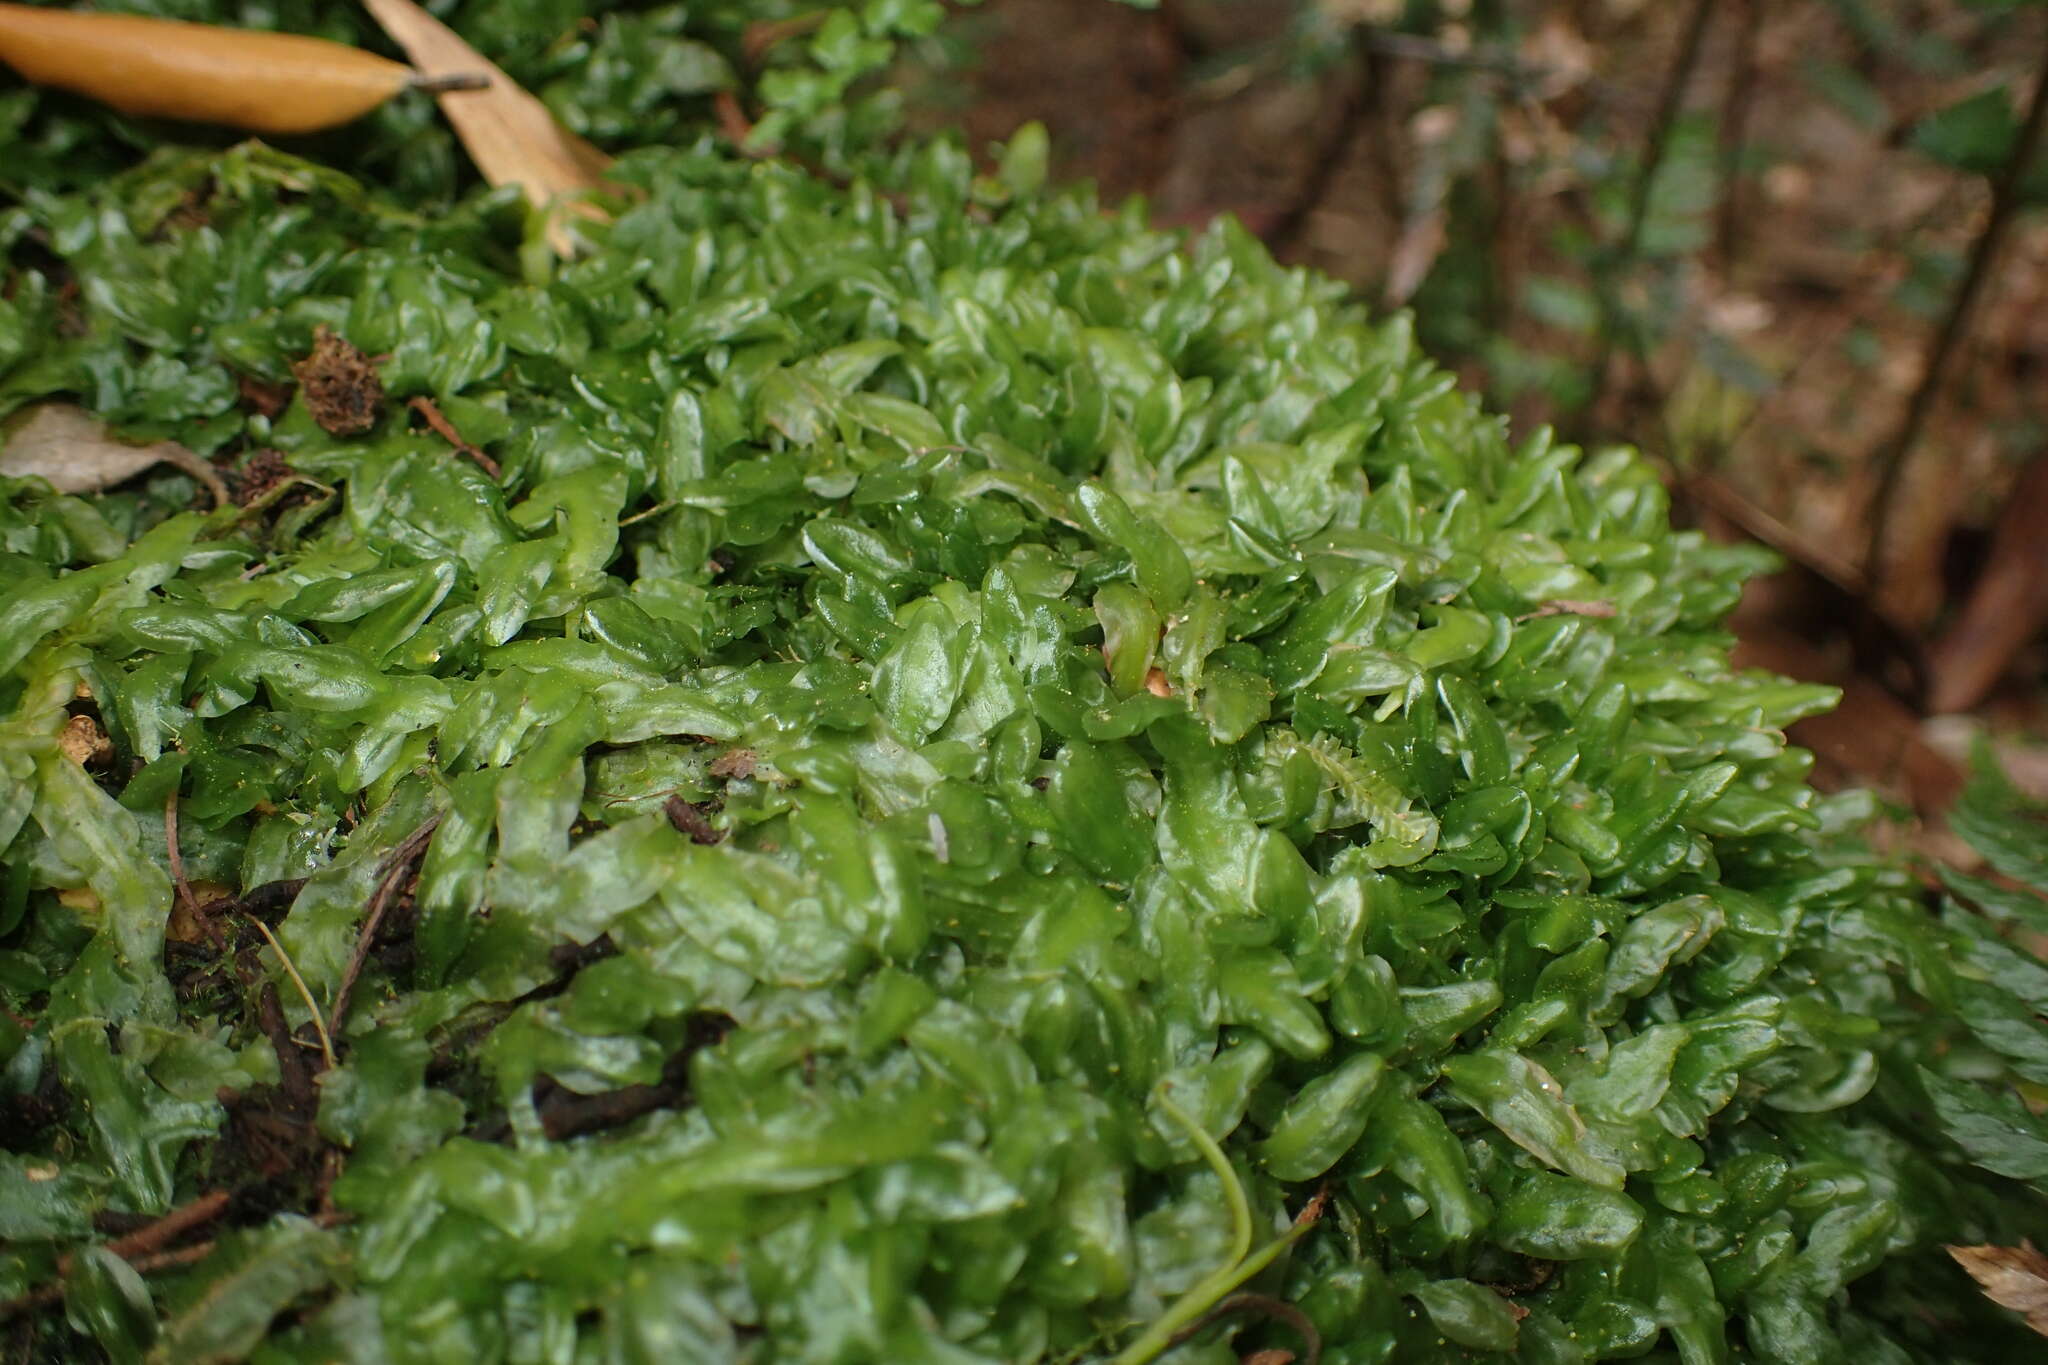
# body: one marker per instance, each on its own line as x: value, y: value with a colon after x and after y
x: 276, y: 83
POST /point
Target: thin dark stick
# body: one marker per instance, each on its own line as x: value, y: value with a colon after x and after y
x: 1669, y: 101
x: 445, y: 429
x: 152, y: 1236
x: 1359, y: 88
x: 1415, y: 48
x: 1655, y: 146
x: 48, y: 1296
x: 452, y: 82
x: 2005, y: 200
x: 1766, y: 529
x: 173, y: 1260
x: 1266, y: 1306
x: 139, y: 1248
x: 268, y: 899
x: 395, y: 869
x: 1735, y: 132
x: 295, y: 1074
x: 176, y: 857
x: 171, y: 1226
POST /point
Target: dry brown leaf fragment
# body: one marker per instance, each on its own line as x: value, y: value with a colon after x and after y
x: 76, y: 453
x: 511, y: 136
x: 187, y: 922
x: 1566, y: 607
x: 84, y: 743
x: 2008, y: 604
x: 2011, y: 1277
x: 340, y: 384
x: 734, y: 763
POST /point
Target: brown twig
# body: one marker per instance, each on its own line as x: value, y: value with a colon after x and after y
x: 735, y: 125
x: 1734, y: 131
x: 305, y: 993
x: 176, y: 857
x: 1361, y: 92
x: 2005, y: 203
x: 46, y: 1296
x: 1265, y: 1305
x: 565, y: 1114
x: 154, y: 1235
x: 1658, y: 143
x: 173, y: 1260
x: 757, y: 38
x: 445, y: 429
x: 1479, y: 57
x: 394, y: 872
x: 294, y: 1075
x: 1655, y: 145
x: 690, y: 819
x: 267, y: 899
x: 2007, y: 605
x: 452, y: 82
x: 142, y: 1248
x: 1759, y: 525
x: 50, y: 1295
x: 171, y: 1226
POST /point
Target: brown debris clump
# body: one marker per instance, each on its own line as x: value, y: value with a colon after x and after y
x: 84, y: 743
x: 340, y: 384
x: 265, y: 470
x: 734, y: 763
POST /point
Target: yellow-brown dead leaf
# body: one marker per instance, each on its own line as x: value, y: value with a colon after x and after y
x: 509, y: 134
x: 2012, y: 1277
x: 186, y: 924
x: 84, y: 743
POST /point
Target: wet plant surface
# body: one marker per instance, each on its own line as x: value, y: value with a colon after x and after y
x: 981, y: 782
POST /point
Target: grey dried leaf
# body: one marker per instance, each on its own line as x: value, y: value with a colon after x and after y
x: 76, y: 453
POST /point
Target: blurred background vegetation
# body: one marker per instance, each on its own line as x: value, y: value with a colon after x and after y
x: 1796, y: 250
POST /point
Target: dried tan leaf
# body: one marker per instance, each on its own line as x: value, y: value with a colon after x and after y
x: 2011, y: 1277
x: 1870, y: 739
x: 75, y: 452
x: 734, y: 763
x: 84, y: 743
x: 510, y: 135
x: 1560, y: 53
x: 2008, y: 604
x: 1424, y: 230
x: 1565, y: 606
x: 187, y: 923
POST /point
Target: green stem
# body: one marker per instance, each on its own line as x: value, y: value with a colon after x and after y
x: 1241, y: 1265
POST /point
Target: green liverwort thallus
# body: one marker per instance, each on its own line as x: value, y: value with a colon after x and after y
x: 1169, y: 773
